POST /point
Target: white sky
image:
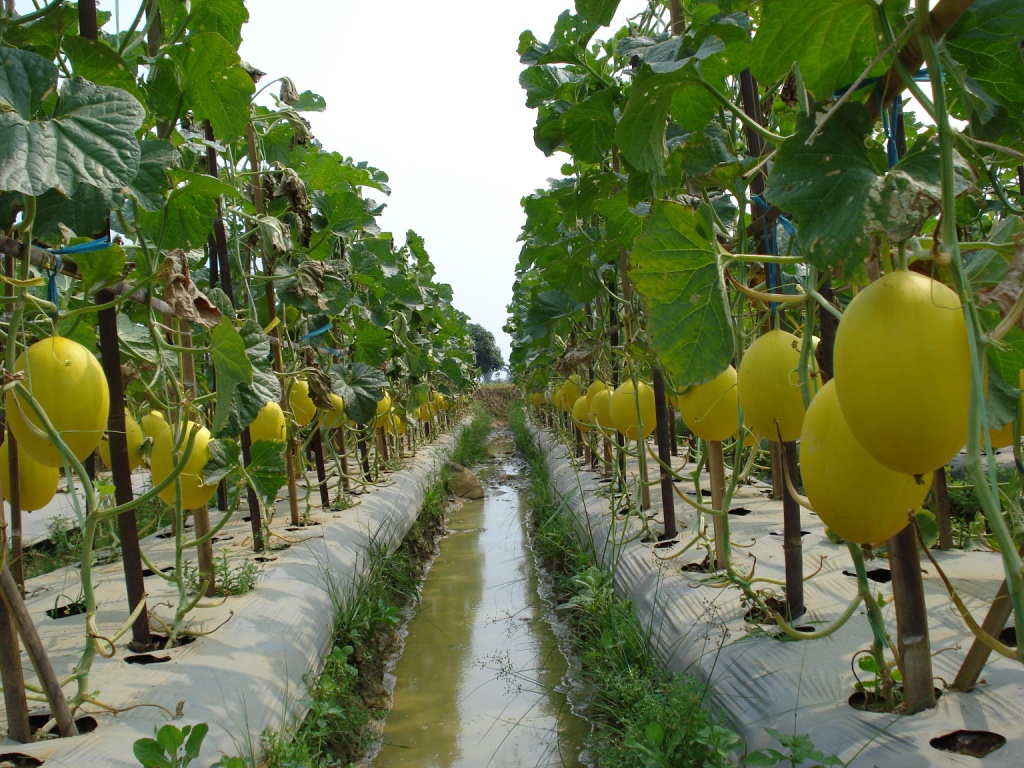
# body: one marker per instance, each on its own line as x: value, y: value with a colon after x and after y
x: 428, y: 93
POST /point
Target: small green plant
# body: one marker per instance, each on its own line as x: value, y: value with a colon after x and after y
x: 173, y: 747
x: 801, y: 749
x: 231, y: 578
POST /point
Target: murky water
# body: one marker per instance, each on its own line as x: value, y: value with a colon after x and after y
x: 477, y: 684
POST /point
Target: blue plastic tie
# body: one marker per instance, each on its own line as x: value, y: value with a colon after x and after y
x: 317, y: 332
x: 98, y: 244
x: 52, y: 295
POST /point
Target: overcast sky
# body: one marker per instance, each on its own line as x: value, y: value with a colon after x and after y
x: 428, y: 93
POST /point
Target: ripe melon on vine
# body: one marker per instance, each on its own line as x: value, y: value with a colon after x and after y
x: 269, y: 424
x: 133, y: 436
x: 336, y: 416
x: 632, y: 410
x: 711, y: 410
x: 67, y: 382
x: 194, y: 492
x: 383, y: 410
x: 37, y: 483
x: 600, y: 412
x: 580, y: 414
x: 853, y: 494
x: 903, y: 372
x: 301, y: 404
x: 153, y: 423
x: 768, y: 386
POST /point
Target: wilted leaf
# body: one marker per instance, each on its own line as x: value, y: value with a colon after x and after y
x: 183, y: 295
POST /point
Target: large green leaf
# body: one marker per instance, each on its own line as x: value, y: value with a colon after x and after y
x: 656, y: 90
x: 675, y: 269
x: 150, y: 185
x: 101, y: 268
x: 267, y: 469
x: 360, y: 386
x: 213, y: 83
x: 232, y: 367
x: 590, y: 127
x: 86, y: 213
x: 831, y: 39
x: 88, y: 139
x: 98, y: 63
x: 188, y: 217
x: 542, y: 83
x: 986, y: 41
x: 600, y: 12
x: 840, y: 193
x: 263, y: 388
x: 225, y: 17
x: 827, y: 185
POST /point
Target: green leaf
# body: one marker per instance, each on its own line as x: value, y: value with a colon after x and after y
x: 986, y: 41
x: 101, y: 268
x: 360, y: 386
x: 191, y: 208
x: 150, y: 185
x: 599, y: 12
x: 828, y: 185
x: 831, y: 39
x: 265, y: 387
x: 26, y: 80
x: 764, y: 757
x: 542, y: 83
x: 267, y: 469
x: 590, y: 127
x: 213, y: 83
x: 676, y: 270
x: 150, y: 753
x: 309, y: 102
x: 225, y: 17
x: 231, y: 366
x: 98, y: 63
x: 194, y: 740
x: 89, y: 139
x: 224, y: 459
x: 170, y: 738
x: 86, y: 212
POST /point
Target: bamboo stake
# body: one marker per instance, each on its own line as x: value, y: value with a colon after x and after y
x: 716, y: 472
x: 37, y: 653
x: 664, y: 455
x: 201, y: 514
x: 911, y: 622
x: 793, y: 545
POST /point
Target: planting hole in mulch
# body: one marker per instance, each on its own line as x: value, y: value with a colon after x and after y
x: 310, y: 524
x: 160, y: 641
x: 970, y: 743
x: 756, y: 616
x: 146, y: 658
x: 215, y: 539
x: 782, y: 533
x: 663, y: 544
x: 1008, y: 636
x: 623, y: 512
x: 147, y: 573
x: 704, y: 566
x: 85, y: 723
x: 18, y: 760
x: 262, y: 559
x: 866, y: 701
x: 739, y: 511
x: 881, y: 575
x: 63, y: 611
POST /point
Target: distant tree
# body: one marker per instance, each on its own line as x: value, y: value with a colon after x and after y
x: 488, y: 356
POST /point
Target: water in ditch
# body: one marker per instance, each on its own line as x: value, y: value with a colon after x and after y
x: 479, y: 681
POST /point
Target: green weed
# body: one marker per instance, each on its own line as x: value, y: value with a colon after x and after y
x: 642, y: 716
x: 231, y: 578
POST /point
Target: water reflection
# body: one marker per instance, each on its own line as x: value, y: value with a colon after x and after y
x: 477, y: 683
